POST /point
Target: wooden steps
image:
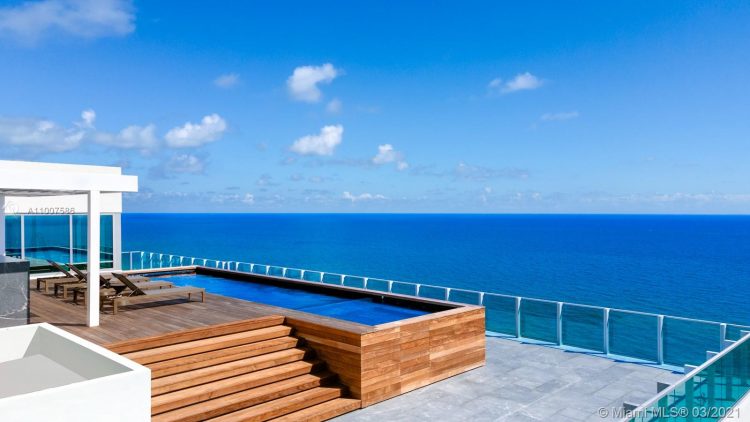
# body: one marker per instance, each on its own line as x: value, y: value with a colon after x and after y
x: 322, y: 411
x: 252, y: 370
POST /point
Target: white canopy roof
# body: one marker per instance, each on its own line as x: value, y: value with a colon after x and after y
x: 31, y: 179
x: 25, y: 178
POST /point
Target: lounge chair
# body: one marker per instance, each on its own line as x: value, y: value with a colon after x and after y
x: 136, y: 294
x: 53, y: 281
x: 109, y: 287
x: 82, y: 274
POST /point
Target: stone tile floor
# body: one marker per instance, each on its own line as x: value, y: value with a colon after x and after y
x: 525, y: 382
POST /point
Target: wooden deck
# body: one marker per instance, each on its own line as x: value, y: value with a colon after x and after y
x: 162, y: 316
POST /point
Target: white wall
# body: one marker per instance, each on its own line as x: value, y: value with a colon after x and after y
x: 119, y: 391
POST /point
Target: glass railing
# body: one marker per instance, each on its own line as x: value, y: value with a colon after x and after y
x: 638, y: 336
x: 708, y: 393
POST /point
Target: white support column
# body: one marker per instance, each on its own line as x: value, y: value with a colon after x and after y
x: 605, y: 333
x: 517, y: 313
x: 117, y: 241
x: 23, y: 236
x: 559, y: 324
x: 2, y: 225
x: 92, y: 292
x: 70, y: 240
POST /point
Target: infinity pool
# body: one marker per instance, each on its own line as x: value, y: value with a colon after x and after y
x: 360, y: 308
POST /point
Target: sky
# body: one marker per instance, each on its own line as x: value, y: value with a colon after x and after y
x: 411, y: 106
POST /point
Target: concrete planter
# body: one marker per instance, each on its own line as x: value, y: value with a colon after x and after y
x: 49, y: 374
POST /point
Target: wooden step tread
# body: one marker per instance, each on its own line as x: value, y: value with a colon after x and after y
x: 214, y: 343
x: 243, y: 399
x: 322, y: 411
x: 215, y: 357
x: 282, y: 406
x: 225, y: 370
x: 160, y: 340
x: 203, y: 392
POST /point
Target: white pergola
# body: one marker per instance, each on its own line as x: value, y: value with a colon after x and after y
x: 20, y: 179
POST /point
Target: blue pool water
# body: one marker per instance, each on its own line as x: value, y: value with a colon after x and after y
x: 361, y: 310
x: 692, y: 266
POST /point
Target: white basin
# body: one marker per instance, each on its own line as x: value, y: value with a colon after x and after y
x: 49, y: 374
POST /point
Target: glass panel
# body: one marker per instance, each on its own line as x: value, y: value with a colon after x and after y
x: 539, y: 320
x: 633, y: 335
x: 408, y: 289
x: 332, y: 279
x: 47, y: 237
x: 245, y: 268
x: 464, y: 296
x: 13, y: 235
x: 500, y: 313
x: 311, y: 276
x: 432, y: 292
x: 709, y: 394
x: 583, y: 327
x: 125, y: 259
x: 106, y: 239
x: 293, y: 273
x: 80, y: 240
x: 688, y: 341
x: 734, y: 332
x: 352, y: 281
x: 377, y: 284
x: 276, y: 271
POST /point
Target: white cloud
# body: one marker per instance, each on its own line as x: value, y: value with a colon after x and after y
x: 334, y: 106
x: 30, y: 21
x: 362, y: 197
x: 88, y: 117
x: 387, y: 154
x: 303, y: 84
x: 210, y: 129
x: 132, y: 137
x: 222, y: 198
x: 479, y: 173
x: 521, y: 82
x: 560, y: 116
x: 186, y: 163
x: 37, y: 135
x: 322, y: 144
x: 227, y: 80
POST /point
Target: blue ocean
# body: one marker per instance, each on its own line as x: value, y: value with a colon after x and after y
x: 690, y: 266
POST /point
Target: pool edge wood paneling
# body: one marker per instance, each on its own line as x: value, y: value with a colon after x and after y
x: 399, y: 357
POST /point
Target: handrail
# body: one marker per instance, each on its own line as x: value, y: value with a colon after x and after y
x: 447, y: 294
x: 688, y: 376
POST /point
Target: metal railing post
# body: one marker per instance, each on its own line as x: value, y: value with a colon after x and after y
x: 416, y: 292
x: 481, y: 299
x: 283, y: 272
x: 364, y: 285
x: 660, y: 339
x: 390, y: 286
x: 131, y: 260
x: 341, y: 280
x: 605, y: 333
x: 447, y: 293
x: 302, y: 274
x: 722, y: 335
x: 559, y: 324
x: 518, y: 317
